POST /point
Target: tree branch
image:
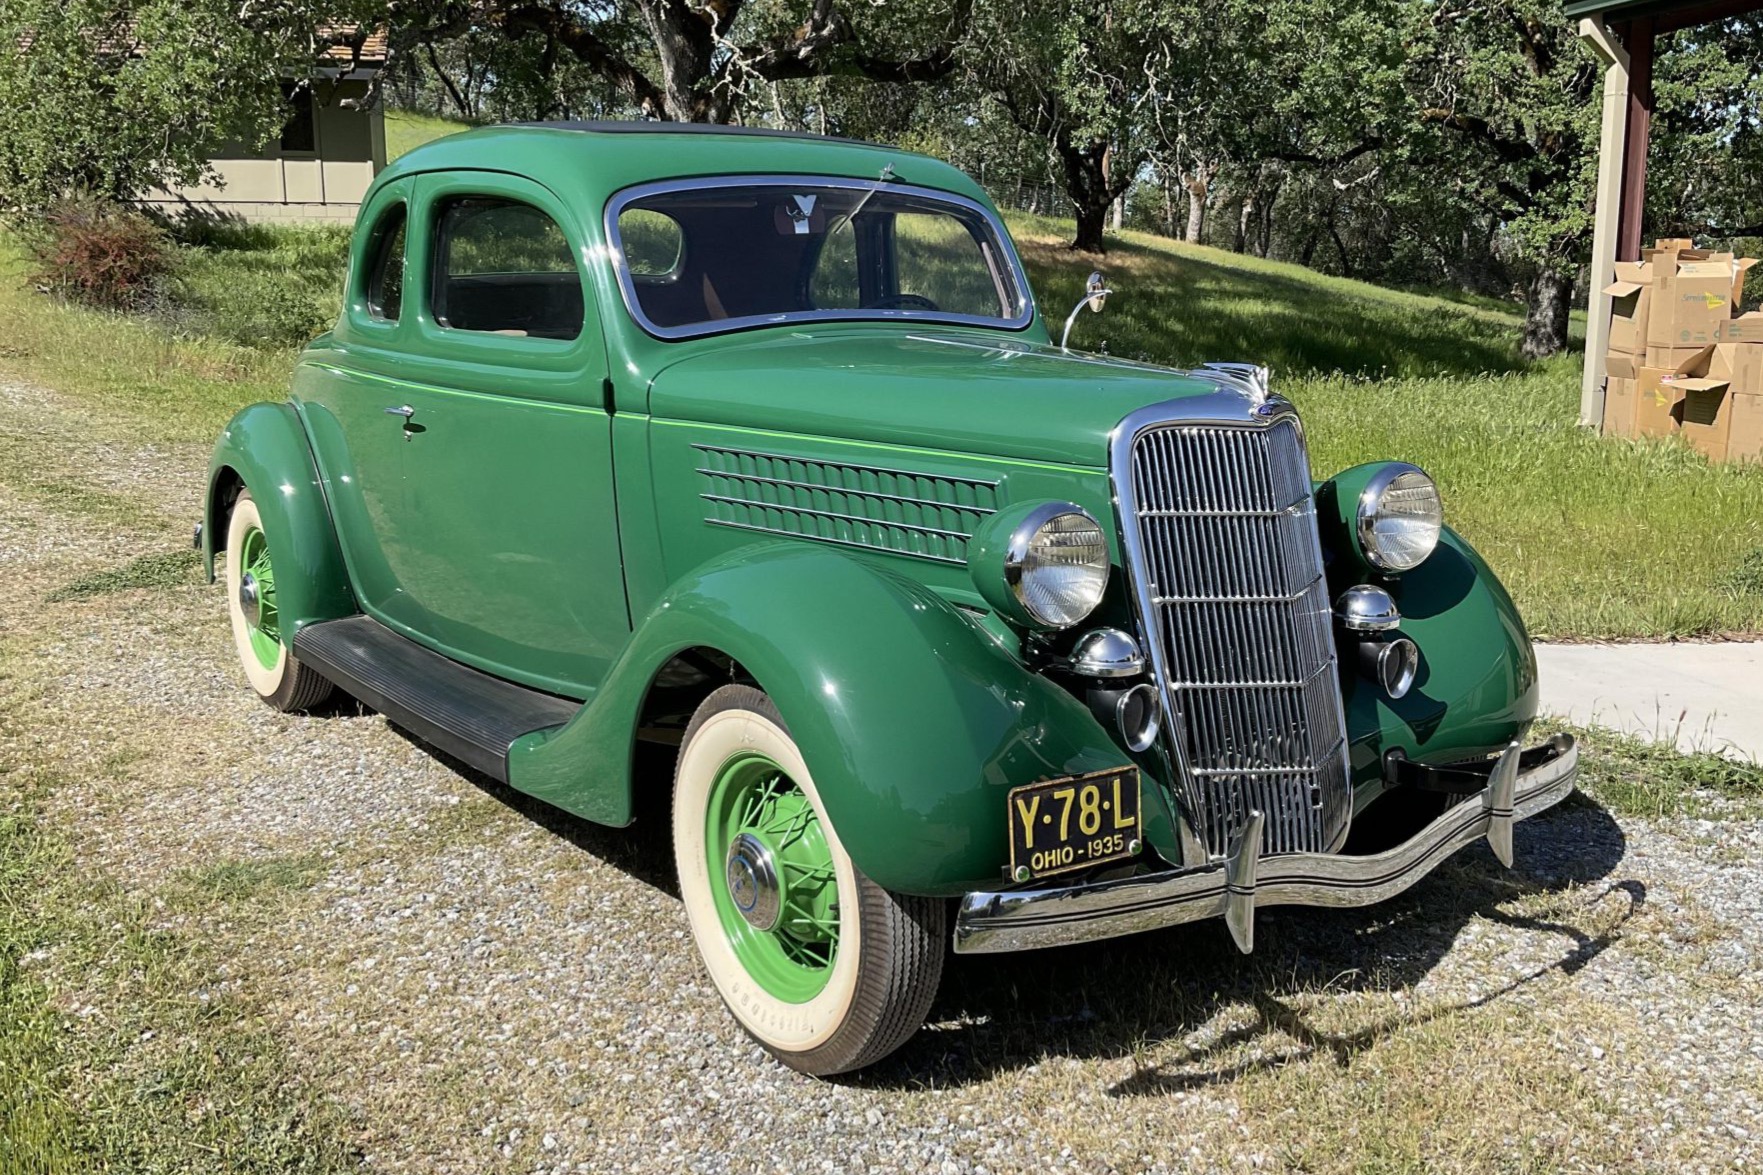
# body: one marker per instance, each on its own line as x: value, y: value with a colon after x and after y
x: 1717, y: 231
x: 574, y: 35
x: 1336, y: 160
x: 465, y: 111
x: 1508, y: 150
x: 807, y: 51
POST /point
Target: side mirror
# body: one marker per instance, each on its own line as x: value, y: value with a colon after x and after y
x: 1095, y: 295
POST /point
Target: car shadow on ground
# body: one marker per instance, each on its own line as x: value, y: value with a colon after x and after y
x: 643, y: 849
x: 1123, y: 997
x: 1119, y: 997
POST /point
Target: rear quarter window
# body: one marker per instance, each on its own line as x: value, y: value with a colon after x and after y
x: 505, y: 268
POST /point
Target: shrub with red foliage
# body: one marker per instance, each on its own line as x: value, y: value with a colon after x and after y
x: 99, y: 253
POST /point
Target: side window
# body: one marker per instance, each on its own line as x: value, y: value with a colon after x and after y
x: 504, y: 268
x: 385, y: 260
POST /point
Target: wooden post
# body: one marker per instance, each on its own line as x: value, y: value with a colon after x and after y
x: 1634, y: 153
x: 1611, y: 138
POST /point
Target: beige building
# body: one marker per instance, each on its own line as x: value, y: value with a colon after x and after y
x: 331, y: 147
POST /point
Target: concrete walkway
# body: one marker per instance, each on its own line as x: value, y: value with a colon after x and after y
x: 1704, y: 697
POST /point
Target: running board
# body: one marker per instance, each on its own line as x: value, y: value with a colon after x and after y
x: 470, y: 715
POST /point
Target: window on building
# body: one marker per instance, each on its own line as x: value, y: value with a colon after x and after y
x: 300, y: 132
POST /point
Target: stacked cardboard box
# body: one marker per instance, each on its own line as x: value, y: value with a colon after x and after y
x: 1679, y: 359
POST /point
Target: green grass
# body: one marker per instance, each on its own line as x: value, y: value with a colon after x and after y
x: 406, y: 130
x: 166, y: 385
x: 1643, y: 777
x: 159, y: 571
x: 122, y: 1047
x: 1595, y: 538
x: 263, y: 286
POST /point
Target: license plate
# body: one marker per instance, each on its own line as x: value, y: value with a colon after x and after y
x: 1074, y: 823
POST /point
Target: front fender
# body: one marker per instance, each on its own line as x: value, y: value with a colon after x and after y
x: 264, y: 449
x: 1476, y: 690
x: 915, y: 722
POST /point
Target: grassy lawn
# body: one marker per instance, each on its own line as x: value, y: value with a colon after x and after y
x: 406, y: 129
x: 1597, y: 539
x: 140, y: 1061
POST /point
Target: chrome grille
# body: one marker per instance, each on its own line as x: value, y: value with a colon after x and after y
x: 1237, y: 610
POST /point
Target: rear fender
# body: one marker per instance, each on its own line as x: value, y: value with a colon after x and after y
x: 915, y: 722
x: 264, y: 450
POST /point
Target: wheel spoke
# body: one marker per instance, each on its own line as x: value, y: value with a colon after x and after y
x: 792, y: 955
x: 254, y: 561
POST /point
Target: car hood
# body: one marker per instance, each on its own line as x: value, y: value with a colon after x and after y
x: 941, y: 390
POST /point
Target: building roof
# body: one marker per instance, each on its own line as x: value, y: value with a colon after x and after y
x: 373, y: 45
x: 1668, y: 15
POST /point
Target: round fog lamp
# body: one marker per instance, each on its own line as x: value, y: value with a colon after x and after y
x: 1367, y: 608
x: 1399, y: 518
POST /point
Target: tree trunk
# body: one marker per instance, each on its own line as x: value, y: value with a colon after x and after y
x: 1091, y: 221
x: 1546, y: 302
x: 1264, y: 202
x: 1086, y: 184
x: 1198, y: 184
x: 1307, y: 253
x: 1245, y: 214
x: 1340, y: 247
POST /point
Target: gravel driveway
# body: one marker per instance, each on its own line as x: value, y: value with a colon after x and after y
x: 484, y: 984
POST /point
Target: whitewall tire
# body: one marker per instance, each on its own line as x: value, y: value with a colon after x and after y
x: 823, y: 967
x: 270, y: 665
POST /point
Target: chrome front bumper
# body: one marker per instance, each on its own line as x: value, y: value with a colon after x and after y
x: 1232, y: 888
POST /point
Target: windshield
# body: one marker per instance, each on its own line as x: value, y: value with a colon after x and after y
x: 700, y: 256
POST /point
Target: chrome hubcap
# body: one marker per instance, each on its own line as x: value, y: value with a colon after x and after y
x: 250, y: 600
x: 753, y: 882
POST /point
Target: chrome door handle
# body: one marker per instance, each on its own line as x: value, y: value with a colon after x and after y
x: 404, y: 410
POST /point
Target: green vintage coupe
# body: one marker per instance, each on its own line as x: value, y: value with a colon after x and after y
x: 756, y: 445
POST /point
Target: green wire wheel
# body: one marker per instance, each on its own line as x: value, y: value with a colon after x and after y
x: 823, y: 967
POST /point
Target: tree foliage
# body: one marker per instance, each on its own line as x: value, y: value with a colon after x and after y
x: 116, y: 96
x: 1437, y: 142
x: 670, y: 59
x: 1707, y: 156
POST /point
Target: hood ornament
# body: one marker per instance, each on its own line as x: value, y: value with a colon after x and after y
x: 1249, y: 378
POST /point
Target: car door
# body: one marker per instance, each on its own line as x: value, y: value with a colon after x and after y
x: 499, y: 544
x: 359, y: 451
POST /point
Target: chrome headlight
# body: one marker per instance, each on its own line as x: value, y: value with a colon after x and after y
x: 1399, y: 518
x: 1057, y: 564
x: 1044, y: 565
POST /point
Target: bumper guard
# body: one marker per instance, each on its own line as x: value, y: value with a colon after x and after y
x: 1520, y: 784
